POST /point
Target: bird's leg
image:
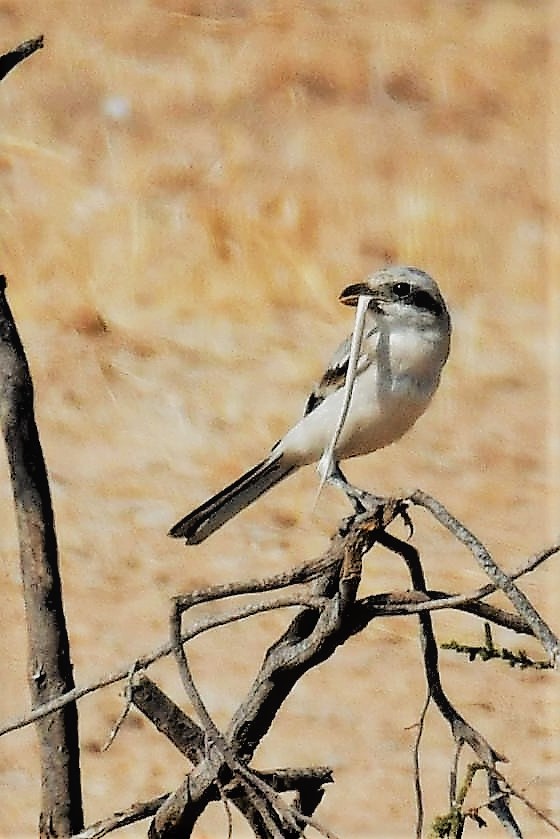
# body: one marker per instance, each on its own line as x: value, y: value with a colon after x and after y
x: 365, y: 503
x: 361, y: 500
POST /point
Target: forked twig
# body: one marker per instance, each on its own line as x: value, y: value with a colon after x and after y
x: 502, y: 580
x: 462, y: 731
x: 324, y: 592
x: 291, y: 654
x: 335, y: 615
x: 378, y: 605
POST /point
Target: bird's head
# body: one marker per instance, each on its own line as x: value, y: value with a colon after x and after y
x: 400, y: 293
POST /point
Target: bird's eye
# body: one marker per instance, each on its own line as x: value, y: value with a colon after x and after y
x: 401, y: 289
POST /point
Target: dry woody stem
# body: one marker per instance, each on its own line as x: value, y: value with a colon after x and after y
x: 324, y: 591
x: 49, y: 666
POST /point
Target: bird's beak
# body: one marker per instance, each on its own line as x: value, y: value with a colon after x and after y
x: 351, y: 293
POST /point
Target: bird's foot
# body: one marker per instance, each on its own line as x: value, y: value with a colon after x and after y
x: 384, y: 508
x: 361, y: 500
x: 378, y: 511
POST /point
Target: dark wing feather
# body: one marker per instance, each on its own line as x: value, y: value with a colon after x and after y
x: 334, y: 375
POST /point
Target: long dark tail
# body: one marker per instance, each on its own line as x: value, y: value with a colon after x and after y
x: 223, y: 506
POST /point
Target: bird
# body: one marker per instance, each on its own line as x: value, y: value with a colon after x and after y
x: 405, y: 344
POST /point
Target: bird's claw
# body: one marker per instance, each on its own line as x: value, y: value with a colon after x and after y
x: 383, y: 510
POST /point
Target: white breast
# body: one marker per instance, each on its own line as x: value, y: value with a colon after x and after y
x: 389, y: 395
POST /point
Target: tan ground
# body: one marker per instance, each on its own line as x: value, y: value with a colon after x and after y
x: 185, y: 188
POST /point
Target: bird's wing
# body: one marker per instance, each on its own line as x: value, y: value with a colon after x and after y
x: 335, y: 374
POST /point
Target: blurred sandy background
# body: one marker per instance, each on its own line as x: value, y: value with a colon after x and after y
x: 185, y: 188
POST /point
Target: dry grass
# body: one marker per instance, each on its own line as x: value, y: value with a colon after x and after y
x: 185, y: 189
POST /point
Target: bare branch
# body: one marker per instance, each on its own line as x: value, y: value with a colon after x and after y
x: 49, y: 666
x: 146, y: 660
x: 529, y: 804
x: 378, y: 605
x: 461, y: 730
x: 10, y: 59
x: 312, y: 636
x: 168, y: 718
x: 328, y: 614
x: 190, y: 739
x: 504, y: 582
x: 416, y: 759
x: 136, y: 812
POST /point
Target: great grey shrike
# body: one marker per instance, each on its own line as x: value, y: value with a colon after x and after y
x: 405, y: 344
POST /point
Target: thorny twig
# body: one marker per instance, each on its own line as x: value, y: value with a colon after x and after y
x: 502, y: 580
